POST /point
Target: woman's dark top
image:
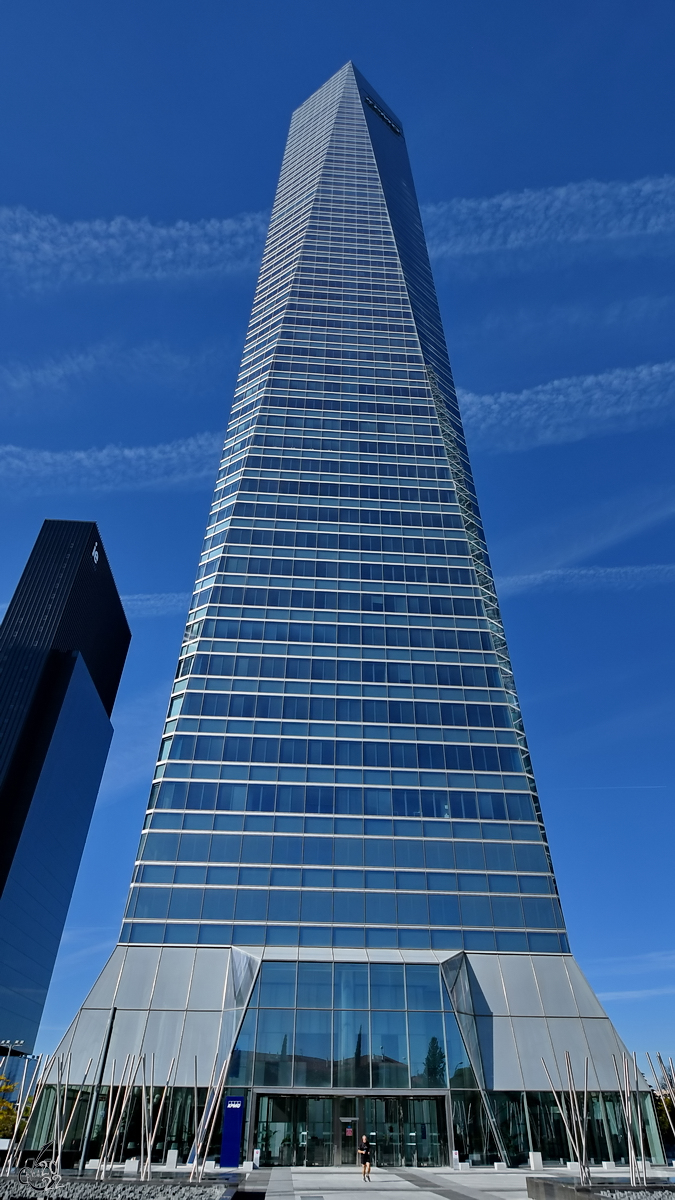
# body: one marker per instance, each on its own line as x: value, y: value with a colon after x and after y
x: 364, y: 1151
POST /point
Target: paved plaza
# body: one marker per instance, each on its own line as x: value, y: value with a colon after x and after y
x: 344, y: 1183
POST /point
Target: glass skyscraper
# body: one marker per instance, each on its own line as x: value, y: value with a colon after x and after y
x: 63, y: 643
x: 343, y: 884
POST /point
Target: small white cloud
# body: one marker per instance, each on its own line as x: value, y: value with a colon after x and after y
x: 571, y: 409
x: 39, y: 252
x: 589, y: 579
x: 187, y: 462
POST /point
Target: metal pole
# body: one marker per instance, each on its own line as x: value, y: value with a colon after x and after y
x: 585, y: 1129
x: 19, y: 1103
x: 639, y: 1120
x: 151, y: 1105
x: 196, y: 1118
x: 558, y: 1101
x: 96, y: 1090
x: 624, y: 1091
x: 206, y: 1113
x: 56, y: 1152
x: 100, y: 1170
x: 158, y: 1118
x: 16, y: 1142
x: 143, y: 1119
x: 212, y: 1116
x: 77, y: 1100
x: 584, y: 1173
x: 123, y: 1096
x: 666, y: 1079
x: 69, y: 1061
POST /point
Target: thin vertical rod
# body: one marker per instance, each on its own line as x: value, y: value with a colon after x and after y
x: 161, y: 1106
x: 123, y: 1094
x: 214, y: 1113
x: 563, y: 1114
x: 77, y: 1101
x: 16, y: 1142
x: 204, y: 1121
x: 639, y: 1120
x: 196, y: 1120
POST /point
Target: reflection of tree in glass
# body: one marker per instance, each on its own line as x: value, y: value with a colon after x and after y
x: 434, y: 1064
x: 357, y: 1051
x: 284, y: 1047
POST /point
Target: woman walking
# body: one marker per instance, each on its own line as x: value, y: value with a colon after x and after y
x: 364, y: 1151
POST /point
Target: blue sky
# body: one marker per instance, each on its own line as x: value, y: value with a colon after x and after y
x: 141, y: 146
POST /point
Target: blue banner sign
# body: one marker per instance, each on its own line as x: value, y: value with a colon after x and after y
x: 233, y: 1117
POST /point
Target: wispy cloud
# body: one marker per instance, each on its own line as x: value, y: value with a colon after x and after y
x: 156, y: 604
x: 581, y: 531
x: 615, y: 214
x: 557, y: 323
x: 649, y: 967
x: 39, y: 252
x: 150, y: 363
x: 571, y: 409
x: 637, y: 994
x: 146, y: 604
x: 635, y: 964
x: 187, y: 462
x: 589, y: 579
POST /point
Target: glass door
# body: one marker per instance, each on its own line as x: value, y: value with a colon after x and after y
x: 348, y: 1131
x: 318, y: 1133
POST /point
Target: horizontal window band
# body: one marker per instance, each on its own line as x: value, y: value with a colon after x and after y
x: 341, y: 467
x: 404, y: 758
x: 437, y: 610
x: 338, y: 936
x: 283, y: 638
x: 322, y: 403
x: 374, y: 544
x: 363, y: 514
x: 205, y: 809
x: 194, y: 845
x: 347, y: 568
x: 281, y: 890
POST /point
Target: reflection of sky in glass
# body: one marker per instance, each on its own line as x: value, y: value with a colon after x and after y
x: 405, y: 1016
x: 390, y: 1051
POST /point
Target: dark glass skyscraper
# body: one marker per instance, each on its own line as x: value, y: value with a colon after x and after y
x: 344, y: 884
x: 63, y: 643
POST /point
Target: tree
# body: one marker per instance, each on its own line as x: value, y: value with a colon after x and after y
x: 7, y: 1109
x: 664, y: 1108
x: 434, y: 1064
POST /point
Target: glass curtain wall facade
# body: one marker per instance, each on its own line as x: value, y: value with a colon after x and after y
x: 343, y: 763
x: 344, y: 796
